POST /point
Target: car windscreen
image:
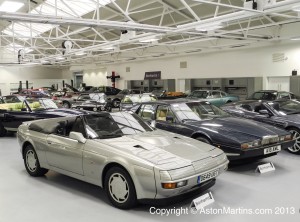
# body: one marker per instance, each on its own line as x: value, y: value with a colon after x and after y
x: 114, y: 125
x: 286, y: 107
x: 199, y: 94
x: 99, y: 97
x: 41, y: 104
x: 264, y: 96
x: 197, y: 111
x: 139, y: 98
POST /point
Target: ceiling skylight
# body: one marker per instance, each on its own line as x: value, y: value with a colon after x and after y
x: 65, y: 8
x: 11, y: 6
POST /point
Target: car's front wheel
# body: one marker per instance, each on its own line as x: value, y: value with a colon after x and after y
x: 66, y: 105
x: 120, y: 189
x: 295, y: 149
x: 32, y: 163
x: 116, y: 103
x: 3, y: 131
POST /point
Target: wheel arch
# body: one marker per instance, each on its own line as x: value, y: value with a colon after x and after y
x: 111, y: 165
x: 201, y: 134
x: 25, y: 144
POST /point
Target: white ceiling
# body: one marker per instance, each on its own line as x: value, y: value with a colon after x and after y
x: 155, y: 28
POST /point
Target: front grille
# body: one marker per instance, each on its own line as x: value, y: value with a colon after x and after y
x: 269, y: 140
x: 181, y: 173
x: 197, y: 167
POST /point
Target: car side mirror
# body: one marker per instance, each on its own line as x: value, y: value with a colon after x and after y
x: 170, y: 119
x: 264, y: 112
x: 77, y: 136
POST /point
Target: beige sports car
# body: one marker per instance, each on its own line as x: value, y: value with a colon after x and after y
x: 122, y: 154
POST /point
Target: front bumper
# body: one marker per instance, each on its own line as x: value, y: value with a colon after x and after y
x: 192, y: 183
x: 257, y: 153
x: 172, y: 200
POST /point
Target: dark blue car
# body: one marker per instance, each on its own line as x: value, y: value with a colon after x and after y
x: 239, y: 138
x: 16, y: 109
x: 280, y: 113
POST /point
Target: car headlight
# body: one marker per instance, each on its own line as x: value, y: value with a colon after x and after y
x: 255, y: 143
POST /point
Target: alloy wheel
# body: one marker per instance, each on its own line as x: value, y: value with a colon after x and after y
x: 118, y: 188
x: 296, y: 136
x: 31, y: 161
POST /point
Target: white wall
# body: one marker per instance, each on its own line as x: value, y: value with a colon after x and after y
x: 91, y: 76
x: 39, y: 76
x: 250, y: 62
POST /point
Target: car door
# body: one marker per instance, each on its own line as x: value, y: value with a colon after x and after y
x: 63, y: 152
x: 13, y: 117
x: 215, y: 98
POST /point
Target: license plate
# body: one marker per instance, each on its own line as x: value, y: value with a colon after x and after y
x: 207, y: 176
x: 272, y: 149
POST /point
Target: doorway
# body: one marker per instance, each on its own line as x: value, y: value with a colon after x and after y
x: 279, y: 83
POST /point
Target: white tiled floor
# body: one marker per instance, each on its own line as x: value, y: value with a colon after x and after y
x: 58, y: 198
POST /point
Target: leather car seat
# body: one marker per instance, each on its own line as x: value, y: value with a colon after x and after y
x: 162, y: 114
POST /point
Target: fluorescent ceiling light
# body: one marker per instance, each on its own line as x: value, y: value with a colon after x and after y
x: 295, y: 38
x: 209, y: 27
x: 60, y: 58
x: 80, y: 53
x: 108, y: 48
x: 16, y: 47
x: 11, y: 6
x: 149, y: 39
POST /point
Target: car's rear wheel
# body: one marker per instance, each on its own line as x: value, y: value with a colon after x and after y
x: 120, y: 189
x: 3, y: 131
x: 229, y: 101
x: 203, y: 139
x: 66, y: 105
x: 32, y: 163
x: 295, y: 149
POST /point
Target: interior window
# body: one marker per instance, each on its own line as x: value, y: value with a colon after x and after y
x: 162, y: 113
x: 216, y: 94
x: 223, y: 94
x: 146, y: 112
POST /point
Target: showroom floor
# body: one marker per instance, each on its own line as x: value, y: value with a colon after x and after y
x: 60, y: 198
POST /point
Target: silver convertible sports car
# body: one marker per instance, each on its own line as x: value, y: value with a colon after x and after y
x: 122, y: 154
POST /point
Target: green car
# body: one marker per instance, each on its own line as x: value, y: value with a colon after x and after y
x: 215, y: 97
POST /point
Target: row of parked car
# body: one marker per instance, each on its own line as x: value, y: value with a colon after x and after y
x: 160, y: 149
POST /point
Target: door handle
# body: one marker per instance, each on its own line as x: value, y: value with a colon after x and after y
x: 49, y: 142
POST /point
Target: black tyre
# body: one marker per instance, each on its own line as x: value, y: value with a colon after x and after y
x: 119, y: 188
x: 203, y: 139
x: 66, y: 105
x: 3, y: 131
x: 32, y: 163
x: 295, y: 149
x: 229, y: 101
x: 116, y: 103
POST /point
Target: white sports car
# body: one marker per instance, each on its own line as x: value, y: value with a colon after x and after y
x: 122, y: 154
